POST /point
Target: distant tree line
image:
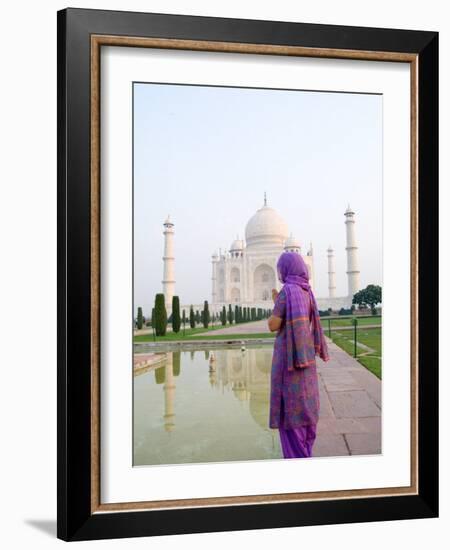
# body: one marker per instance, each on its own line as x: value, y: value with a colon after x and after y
x: 160, y: 320
x: 366, y: 298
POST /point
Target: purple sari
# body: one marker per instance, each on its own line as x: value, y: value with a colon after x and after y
x: 294, y: 402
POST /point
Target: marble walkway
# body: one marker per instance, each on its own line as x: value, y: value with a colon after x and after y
x: 241, y: 328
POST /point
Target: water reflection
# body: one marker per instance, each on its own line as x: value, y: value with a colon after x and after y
x: 208, y: 406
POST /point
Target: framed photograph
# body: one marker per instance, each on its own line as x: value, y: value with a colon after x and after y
x: 247, y: 274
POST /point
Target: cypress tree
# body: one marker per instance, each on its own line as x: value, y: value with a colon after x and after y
x: 192, y: 317
x: 230, y: 314
x: 223, y: 316
x: 236, y: 314
x: 140, y: 319
x: 153, y: 317
x: 176, y: 320
x: 206, y: 317
x: 160, y: 315
x: 197, y: 316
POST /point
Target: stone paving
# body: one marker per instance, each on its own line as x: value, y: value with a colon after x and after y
x: 241, y: 328
x: 350, y: 401
x: 350, y: 407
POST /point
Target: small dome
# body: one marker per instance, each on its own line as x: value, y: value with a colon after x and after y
x: 292, y: 242
x: 266, y: 226
x: 237, y: 245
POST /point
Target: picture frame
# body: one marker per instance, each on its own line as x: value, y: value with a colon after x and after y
x: 82, y: 34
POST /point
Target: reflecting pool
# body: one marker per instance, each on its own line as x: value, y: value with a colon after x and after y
x: 208, y: 405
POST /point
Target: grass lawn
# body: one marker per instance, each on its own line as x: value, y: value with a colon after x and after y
x: 375, y: 320
x: 371, y: 363
x: 192, y: 334
x: 369, y: 337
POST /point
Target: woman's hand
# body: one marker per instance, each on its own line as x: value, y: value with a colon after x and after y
x: 274, y: 294
x: 274, y: 323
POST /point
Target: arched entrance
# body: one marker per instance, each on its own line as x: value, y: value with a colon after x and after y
x: 235, y: 295
x: 263, y: 282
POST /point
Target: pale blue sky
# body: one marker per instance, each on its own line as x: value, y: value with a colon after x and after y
x: 205, y: 155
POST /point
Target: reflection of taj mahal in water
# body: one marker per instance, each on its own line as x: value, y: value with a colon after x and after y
x: 245, y: 374
x: 246, y: 273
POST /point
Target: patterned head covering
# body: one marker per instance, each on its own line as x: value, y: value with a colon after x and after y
x: 304, y: 333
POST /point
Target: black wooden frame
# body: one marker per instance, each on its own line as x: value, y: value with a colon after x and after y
x: 75, y: 521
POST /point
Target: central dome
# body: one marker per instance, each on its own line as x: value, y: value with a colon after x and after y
x: 266, y: 227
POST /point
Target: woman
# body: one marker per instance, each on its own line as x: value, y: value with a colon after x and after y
x: 294, y: 399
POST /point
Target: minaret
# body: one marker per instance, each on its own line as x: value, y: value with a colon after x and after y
x: 310, y: 263
x: 331, y: 273
x: 169, y: 264
x: 215, y: 259
x: 352, y: 254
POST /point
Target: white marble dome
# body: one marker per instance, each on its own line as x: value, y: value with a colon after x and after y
x: 265, y: 227
x: 237, y: 245
x: 292, y: 242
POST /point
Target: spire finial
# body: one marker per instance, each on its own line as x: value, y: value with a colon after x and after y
x: 265, y: 198
x: 168, y: 222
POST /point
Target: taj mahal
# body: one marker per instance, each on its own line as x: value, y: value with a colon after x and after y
x: 246, y: 273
